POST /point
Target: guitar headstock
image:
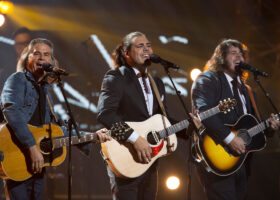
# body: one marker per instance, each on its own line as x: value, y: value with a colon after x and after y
x: 226, y: 105
x: 121, y: 131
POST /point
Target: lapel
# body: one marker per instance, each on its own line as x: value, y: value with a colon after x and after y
x: 138, y: 90
x: 226, y: 86
x: 247, y: 98
x: 228, y: 91
x: 155, y: 101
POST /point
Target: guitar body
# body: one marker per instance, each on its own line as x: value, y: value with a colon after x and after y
x: 217, y: 158
x: 16, y: 162
x: 122, y: 158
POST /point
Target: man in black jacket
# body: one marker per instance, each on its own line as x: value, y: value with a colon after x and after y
x: 224, y: 80
x: 127, y: 95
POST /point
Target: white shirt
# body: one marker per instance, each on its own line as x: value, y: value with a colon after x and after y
x: 230, y: 137
x: 149, y: 99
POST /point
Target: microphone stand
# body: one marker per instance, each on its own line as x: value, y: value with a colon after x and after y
x: 190, y: 119
x: 71, y: 123
x: 267, y: 95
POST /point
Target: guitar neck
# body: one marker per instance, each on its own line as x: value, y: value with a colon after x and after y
x: 209, y: 113
x: 173, y: 129
x: 261, y: 126
x: 88, y: 137
x: 185, y: 123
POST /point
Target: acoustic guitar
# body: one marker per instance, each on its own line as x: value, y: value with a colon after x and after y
x: 219, y: 159
x: 15, y: 158
x: 121, y: 156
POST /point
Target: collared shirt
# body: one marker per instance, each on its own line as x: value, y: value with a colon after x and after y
x: 230, y: 137
x: 148, y: 99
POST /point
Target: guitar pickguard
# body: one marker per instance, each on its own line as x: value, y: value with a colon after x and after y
x: 156, y: 150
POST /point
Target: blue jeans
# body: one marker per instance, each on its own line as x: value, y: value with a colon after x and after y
x: 30, y: 189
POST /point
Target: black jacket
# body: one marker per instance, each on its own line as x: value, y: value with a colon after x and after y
x: 208, y: 89
x: 122, y: 99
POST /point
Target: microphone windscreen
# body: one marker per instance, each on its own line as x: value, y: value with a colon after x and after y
x: 155, y: 58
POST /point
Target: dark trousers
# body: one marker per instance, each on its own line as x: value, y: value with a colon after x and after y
x: 143, y: 187
x: 30, y: 189
x: 233, y: 187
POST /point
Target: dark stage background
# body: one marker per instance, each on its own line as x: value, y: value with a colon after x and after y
x: 183, y: 31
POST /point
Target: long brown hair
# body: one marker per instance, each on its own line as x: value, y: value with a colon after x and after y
x: 217, y: 62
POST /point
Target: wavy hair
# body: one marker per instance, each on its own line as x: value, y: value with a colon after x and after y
x: 218, y: 60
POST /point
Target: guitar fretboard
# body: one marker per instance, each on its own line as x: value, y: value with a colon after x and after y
x: 259, y: 128
x: 209, y: 113
x: 87, y: 137
x: 185, y: 123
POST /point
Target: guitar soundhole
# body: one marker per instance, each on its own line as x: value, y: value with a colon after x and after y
x: 45, y: 145
x: 152, y: 139
x: 243, y: 133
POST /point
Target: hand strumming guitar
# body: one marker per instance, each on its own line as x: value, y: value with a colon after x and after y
x: 143, y: 150
x: 237, y: 145
x: 37, y: 160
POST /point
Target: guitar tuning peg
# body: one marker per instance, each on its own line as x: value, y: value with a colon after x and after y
x: 225, y: 112
x: 228, y: 110
x: 225, y: 100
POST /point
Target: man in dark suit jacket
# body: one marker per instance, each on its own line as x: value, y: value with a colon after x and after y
x: 224, y: 80
x: 127, y: 95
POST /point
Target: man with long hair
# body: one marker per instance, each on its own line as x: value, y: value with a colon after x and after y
x: 223, y: 80
x: 127, y: 95
x: 24, y: 101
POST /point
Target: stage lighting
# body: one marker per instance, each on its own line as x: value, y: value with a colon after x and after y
x: 194, y: 73
x: 2, y: 20
x: 6, y: 7
x: 172, y: 182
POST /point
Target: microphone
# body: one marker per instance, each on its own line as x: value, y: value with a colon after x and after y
x: 156, y: 59
x: 49, y: 68
x: 255, y: 70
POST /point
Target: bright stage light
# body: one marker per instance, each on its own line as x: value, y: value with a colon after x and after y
x: 172, y: 182
x: 2, y: 20
x: 194, y: 73
x: 5, y: 6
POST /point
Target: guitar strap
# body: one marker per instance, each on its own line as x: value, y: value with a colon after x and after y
x: 51, y: 108
x: 253, y: 102
x: 169, y: 145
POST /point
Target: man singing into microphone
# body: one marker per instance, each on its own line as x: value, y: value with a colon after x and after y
x: 25, y: 100
x: 127, y: 94
x: 223, y: 80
